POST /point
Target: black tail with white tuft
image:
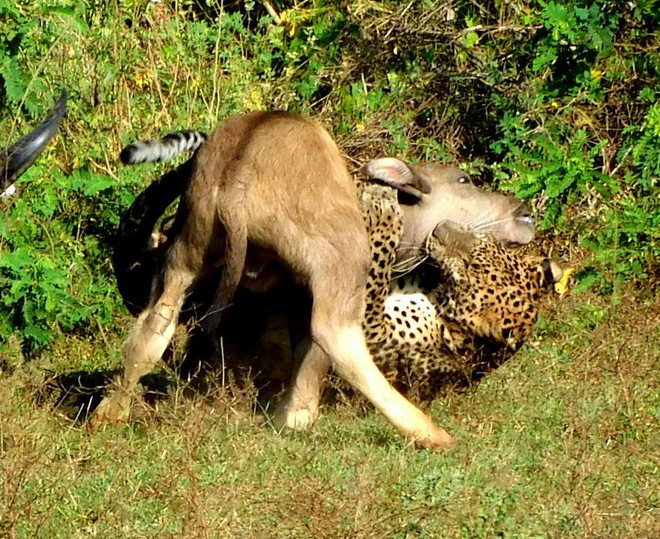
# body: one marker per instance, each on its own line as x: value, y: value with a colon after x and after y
x: 168, y: 147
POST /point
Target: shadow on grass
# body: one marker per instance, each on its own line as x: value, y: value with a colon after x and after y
x: 77, y: 394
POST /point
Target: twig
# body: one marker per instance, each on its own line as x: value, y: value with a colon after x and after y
x: 270, y: 8
x: 400, y: 16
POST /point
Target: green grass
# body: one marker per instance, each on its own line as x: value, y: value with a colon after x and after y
x: 561, y: 441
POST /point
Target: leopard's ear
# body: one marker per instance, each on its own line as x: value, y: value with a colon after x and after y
x: 395, y: 173
x: 455, y: 237
x: 552, y: 272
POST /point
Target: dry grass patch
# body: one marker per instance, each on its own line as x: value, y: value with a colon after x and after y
x: 559, y: 442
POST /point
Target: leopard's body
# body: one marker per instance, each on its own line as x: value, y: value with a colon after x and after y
x: 470, y: 304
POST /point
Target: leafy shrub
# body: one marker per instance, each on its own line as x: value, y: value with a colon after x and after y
x: 556, y: 101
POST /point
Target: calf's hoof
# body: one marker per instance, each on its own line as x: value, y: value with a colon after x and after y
x: 294, y: 418
x: 114, y: 409
x: 436, y: 438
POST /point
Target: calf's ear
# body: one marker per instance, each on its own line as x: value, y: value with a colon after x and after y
x: 395, y: 173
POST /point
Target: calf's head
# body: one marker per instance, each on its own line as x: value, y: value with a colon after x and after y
x: 431, y: 193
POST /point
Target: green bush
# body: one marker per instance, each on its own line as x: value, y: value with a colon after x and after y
x: 556, y: 101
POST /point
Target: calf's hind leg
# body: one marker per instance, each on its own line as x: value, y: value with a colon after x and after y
x: 350, y: 358
x: 146, y: 342
x: 301, y: 406
x: 337, y: 314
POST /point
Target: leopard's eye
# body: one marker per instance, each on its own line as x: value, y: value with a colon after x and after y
x: 463, y: 179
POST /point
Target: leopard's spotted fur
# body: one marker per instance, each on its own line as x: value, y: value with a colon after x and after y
x: 470, y: 305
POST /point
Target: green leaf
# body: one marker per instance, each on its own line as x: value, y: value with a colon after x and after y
x: 554, y: 14
x: 38, y: 334
x: 15, y: 80
x: 555, y: 187
x: 95, y: 184
x: 471, y: 39
x: 16, y: 260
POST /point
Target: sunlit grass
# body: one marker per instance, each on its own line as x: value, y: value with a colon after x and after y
x: 559, y: 442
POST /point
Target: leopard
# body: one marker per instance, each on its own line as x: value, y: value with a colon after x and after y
x: 470, y: 304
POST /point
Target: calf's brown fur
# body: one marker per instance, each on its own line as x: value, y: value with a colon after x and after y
x: 279, y: 182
